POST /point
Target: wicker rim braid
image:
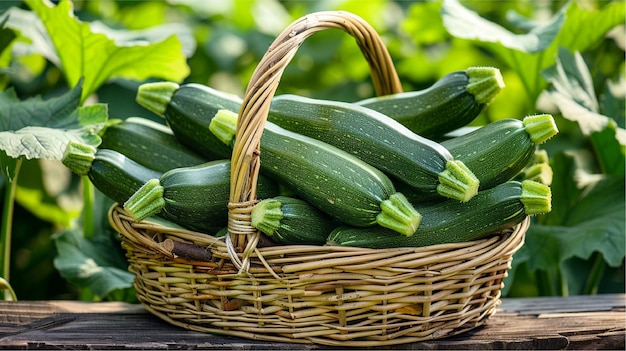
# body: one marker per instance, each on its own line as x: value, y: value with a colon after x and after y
x: 330, y: 295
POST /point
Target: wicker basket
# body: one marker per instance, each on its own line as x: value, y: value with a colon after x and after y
x: 311, y: 294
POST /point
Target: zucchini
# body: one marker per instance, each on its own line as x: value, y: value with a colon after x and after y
x: 291, y: 221
x: 498, y: 151
x: 194, y: 197
x: 335, y: 181
x: 452, y: 102
x: 188, y: 110
x: 378, y: 140
x: 450, y: 221
x: 115, y: 175
x: 149, y: 143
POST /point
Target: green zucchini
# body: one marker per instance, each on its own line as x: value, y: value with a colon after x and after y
x: 378, y: 140
x: 487, y: 213
x: 188, y: 110
x: 194, y: 197
x: 149, y: 143
x: 452, y: 102
x: 292, y: 221
x: 498, y: 151
x: 111, y: 172
x: 335, y: 181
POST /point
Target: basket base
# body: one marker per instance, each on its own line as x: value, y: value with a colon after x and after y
x: 323, y: 295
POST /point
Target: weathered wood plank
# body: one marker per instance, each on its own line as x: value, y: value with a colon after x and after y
x: 580, y: 322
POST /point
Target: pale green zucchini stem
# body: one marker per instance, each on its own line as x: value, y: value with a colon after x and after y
x: 484, y: 83
x: 457, y: 181
x: 147, y: 201
x: 540, y: 156
x: 224, y: 126
x: 536, y: 197
x: 540, y: 127
x: 539, y: 172
x: 266, y: 216
x: 156, y: 96
x: 78, y: 157
x: 398, y: 214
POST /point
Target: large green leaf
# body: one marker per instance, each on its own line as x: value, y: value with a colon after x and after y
x: 90, y: 263
x: 610, y: 150
x: 578, y: 224
x: 32, y: 29
x: 528, y: 53
x: 584, y: 27
x: 525, y: 53
x: 573, y: 93
x: 98, y: 58
x: 36, y: 128
x: 464, y: 23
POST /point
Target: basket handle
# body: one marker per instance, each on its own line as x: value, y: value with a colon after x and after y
x: 256, y: 103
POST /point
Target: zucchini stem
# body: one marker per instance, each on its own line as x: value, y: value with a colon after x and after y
x: 156, y: 96
x: 399, y: 215
x: 224, y: 126
x: 536, y: 197
x: 266, y: 216
x: 78, y: 157
x: 540, y: 127
x: 484, y: 83
x: 457, y: 181
x: 539, y: 172
x: 146, y: 201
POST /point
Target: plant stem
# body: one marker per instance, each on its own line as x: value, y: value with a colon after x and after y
x: 593, y: 281
x: 4, y: 285
x: 7, y: 222
x: 554, y: 283
x: 88, y: 199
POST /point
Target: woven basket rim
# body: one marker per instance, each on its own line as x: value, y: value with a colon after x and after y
x: 509, y: 240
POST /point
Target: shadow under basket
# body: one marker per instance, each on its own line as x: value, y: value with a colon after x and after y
x: 319, y: 294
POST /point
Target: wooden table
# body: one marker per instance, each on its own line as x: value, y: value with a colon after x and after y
x: 578, y: 322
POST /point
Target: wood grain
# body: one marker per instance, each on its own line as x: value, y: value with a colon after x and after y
x: 548, y: 323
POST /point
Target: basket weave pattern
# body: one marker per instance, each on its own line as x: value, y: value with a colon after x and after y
x: 312, y: 294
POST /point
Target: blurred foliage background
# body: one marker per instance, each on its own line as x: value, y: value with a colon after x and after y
x: 224, y: 40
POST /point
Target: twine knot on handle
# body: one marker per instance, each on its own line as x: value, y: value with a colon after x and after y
x: 242, y: 238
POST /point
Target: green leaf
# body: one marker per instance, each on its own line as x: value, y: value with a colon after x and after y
x: 578, y: 225
x: 570, y: 77
x: 613, y: 103
x: 98, y: 58
x: 464, y: 23
x: 565, y: 188
x: 610, y: 152
x: 89, y: 263
x: 571, y: 27
x: 123, y: 37
x: 571, y: 90
x: 584, y: 28
x: 30, y: 27
x: 525, y: 53
x: 36, y: 128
